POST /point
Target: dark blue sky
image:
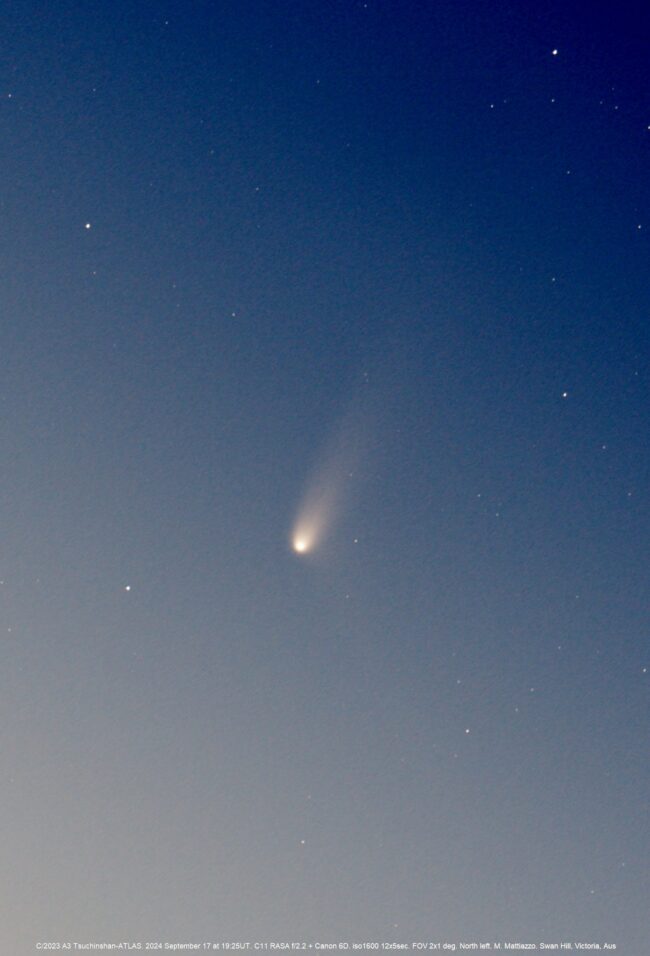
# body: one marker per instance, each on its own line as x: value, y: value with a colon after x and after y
x: 378, y: 271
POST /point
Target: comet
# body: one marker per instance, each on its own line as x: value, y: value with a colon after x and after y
x: 328, y: 490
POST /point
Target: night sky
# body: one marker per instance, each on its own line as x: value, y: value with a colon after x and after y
x: 324, y: 421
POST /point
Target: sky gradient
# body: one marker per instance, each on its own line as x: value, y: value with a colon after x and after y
x: 390, y: 258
